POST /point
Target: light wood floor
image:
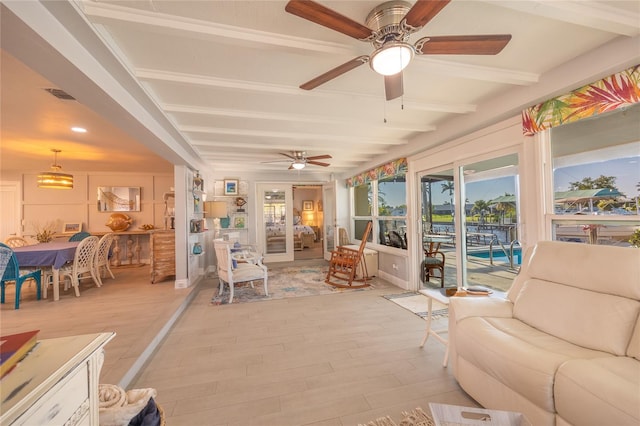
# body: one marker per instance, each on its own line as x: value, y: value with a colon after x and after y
x: 338, y: 359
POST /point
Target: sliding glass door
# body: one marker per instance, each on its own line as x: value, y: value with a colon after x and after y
x: 491, y: 249
x: 437, y: 221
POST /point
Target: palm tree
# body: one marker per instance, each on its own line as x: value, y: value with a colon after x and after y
x: 448, y: 186
x: 480, y: 206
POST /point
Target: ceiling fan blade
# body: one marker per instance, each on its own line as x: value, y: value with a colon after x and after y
x: 318, y: 163
x: 275, y: 161
x: 336, y: 72
x: 326, y: 17
x: 489, y: 44
x: 319, y: 157
x: 393, y: 86
x: 287, y: 155
x: 424, y: 11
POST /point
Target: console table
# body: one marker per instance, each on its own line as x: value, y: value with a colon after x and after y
x: 127, y: 254
x: 56, y: 383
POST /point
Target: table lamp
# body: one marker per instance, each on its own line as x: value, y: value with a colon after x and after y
x: 217, y: 210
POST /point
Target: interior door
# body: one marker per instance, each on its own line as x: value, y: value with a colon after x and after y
x: 10, y: 209
x: 329, y: 225
x: 275, y: 235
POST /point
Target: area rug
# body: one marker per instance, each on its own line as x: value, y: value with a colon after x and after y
x: 416, y: 417
x: 417, y: 303
x: 283, y: 283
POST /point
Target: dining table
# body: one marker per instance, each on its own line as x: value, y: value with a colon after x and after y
x: 52, y: 254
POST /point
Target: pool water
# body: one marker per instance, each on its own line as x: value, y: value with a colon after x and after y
x: 498, y: 255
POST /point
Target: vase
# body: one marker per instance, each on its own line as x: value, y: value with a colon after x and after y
x: 197, y: 248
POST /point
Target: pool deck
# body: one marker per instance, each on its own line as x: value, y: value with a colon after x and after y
x: 479, y: 271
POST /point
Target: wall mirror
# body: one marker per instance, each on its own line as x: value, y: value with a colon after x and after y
x: 118, y: 199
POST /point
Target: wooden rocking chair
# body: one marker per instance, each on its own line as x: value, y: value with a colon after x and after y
x: 344, y: 265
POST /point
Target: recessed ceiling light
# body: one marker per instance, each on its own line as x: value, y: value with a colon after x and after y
x: 79, y: 129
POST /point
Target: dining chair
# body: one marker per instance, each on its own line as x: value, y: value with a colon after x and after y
x: 10, y: 272
x: 101, y: 259
x: 82, y: 266
x: 344, y: 265
x: 434, y: 260
x: 243, y: 272
x: 79, y: 236
x: 15, y: 241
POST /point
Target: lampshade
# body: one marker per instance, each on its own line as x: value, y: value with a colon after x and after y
x: 298, y: 164
x: 391, y: 58
x: 55, y: 179
x: 215, y: 209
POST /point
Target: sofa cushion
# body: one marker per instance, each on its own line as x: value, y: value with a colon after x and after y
x: 598, y: 321
x: 600, y: 268
x: 516, y: 354
x: 634, y: 345
x: 600, y: 391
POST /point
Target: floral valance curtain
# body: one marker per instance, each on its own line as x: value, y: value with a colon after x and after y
x: 616, y: 91
x: 396, y: 167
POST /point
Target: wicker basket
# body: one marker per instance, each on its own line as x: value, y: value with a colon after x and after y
x: 163, y: 420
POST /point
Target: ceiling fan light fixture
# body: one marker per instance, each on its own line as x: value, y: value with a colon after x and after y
x: 298, y: 164
x: 55, y: 179
x: 392, y: 58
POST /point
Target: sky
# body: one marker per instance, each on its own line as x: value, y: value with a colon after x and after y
x: 626, y: 171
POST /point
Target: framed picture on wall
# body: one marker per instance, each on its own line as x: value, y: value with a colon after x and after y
x: 231, y: 187
x: 71, y: 228
x: 307, y: 206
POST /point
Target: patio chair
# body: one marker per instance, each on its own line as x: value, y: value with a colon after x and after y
x: 433, y: 261
x: 82, y: 266
x: 243, y: 272
x: 10, y: 272
x: 101, y: 259
x: 344, y: 264
x: 79, y: 236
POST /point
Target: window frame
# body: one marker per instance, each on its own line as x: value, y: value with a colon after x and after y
x: 375, y: 216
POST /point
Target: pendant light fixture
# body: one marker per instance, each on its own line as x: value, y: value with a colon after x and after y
x: 55, y: 179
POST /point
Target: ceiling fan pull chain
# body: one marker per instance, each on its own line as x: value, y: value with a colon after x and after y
x: 384, y: 111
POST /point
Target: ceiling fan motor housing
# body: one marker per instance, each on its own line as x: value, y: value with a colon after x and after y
x: 385, y: 21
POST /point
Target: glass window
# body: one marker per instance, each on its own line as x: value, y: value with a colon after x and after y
x: 596, y: 178
x: 392, y: 197
x: 387, y: 198
x: 362, y: 198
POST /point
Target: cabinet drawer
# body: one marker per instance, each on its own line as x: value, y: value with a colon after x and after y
x: 59, y: 405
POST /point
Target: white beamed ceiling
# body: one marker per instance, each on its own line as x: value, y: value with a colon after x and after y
x: 225, y: 75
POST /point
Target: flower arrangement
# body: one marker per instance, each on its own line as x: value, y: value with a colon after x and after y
x: 45, y: 233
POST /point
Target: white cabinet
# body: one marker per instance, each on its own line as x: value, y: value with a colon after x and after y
x: 370, y: 259
x: 57, y: 383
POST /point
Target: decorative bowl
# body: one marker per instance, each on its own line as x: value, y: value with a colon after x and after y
x: 119, y: 222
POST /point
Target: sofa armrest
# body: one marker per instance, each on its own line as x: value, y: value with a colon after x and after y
x: 476, y: 306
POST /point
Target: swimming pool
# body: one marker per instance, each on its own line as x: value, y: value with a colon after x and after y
x: 499, y: 255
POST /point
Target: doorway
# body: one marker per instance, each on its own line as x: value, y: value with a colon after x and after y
x: 308, y: 221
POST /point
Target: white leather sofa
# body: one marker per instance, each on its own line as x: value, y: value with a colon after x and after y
x: 563, y: 348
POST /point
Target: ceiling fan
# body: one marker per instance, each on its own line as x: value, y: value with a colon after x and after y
x: 388, y: 27
x: 299, y: 160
